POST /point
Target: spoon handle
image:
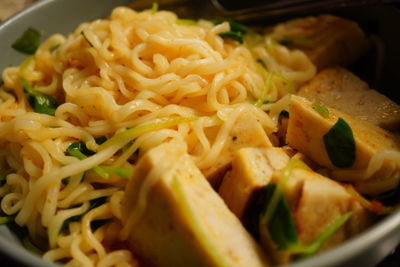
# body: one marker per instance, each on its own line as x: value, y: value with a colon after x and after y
x: 253, y: 9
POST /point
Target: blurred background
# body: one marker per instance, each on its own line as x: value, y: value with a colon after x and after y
x: 9, y: 7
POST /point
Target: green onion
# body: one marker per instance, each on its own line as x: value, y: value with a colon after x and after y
x: 130, y: 134
x: 186, y: 22
x: 316, y: 245
x: 340, y: 145
x: 122, y: 172
x: 268, y: 76
x: 23, y: 68
x: 235, y: 26
x: 75, y: 150
x: 54, y: 47
x: 269, y: 84
x: 28, y: 42
x: 127, y: 146
x: 323, y: 111
x: 3, y: 179
x: 371, y: 205
x: 101, y: 171
x: 27, y: 244
x: 80, y: 151
x: 237, y: 36
x: 98, y: 223
x: 290, y: 85
x: 237, y: 30
x: 256, y: 102
x: 286, y: 172
x: 65, y: 181
x: 154, y: 7
x: 5, y: 219
x: 94, y: 203
x: 78, y: 154
x: 100, y: 140
x: 277, y: 218
x: 41, y: 103
x: 281, y: 225
x: 23, y: 235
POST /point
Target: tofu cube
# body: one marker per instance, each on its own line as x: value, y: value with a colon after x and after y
x: 175, y: 218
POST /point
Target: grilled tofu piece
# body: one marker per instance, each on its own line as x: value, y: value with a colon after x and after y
x: 175, y: 218
x: 247, y: 131
x: 252, y: 168
x: 340, y: 89
x: 305, y: 132
x: 314, y: 200
x: 320, y: 202
x: 327, y: 40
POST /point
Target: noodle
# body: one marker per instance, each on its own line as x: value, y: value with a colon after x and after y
x: 110, y: 75
x: 135, y: 71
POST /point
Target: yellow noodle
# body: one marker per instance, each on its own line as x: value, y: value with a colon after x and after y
x: 109, y: 75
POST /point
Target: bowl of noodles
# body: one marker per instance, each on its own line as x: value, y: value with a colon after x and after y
x: 137, y: 137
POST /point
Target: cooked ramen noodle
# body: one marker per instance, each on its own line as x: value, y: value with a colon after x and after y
x: 84, y: 118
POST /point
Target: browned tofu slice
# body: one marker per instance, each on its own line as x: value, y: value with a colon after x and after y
x: 246, y: 132
x: 252, y: 168
x: 175, y: 218
x: 327, y: 40
x: 316, y: 201
x: 320, y: 202
x: 340, y: 89
x: 305, y: 132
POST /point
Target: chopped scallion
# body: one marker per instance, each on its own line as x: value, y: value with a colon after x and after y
x: 278, y: 220
x: 54, y: 47
x: 281, y: 226
x: 186, y: 22
x: 316, y: 245
x: 122, y: 172
x: 237, y: 30
x: 323, y: 111
x: 41, y: 103
x: 235, y: 26
x: 128, y: 135
x: 27, y: 244
x: 373, y: 206
x: 286, y: 172
x: 28, y: 42
x: 94, y: 203
x: 5, y: 219
x: 340, y: 145
x: 237, y: 36
x: 80, y: 151
x: 154, y: 7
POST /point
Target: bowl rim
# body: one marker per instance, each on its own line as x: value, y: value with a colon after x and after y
x: 376, y: 242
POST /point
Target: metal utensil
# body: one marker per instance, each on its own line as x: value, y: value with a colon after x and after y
x: 253, y: 9
x: 250, y: 10
x: 52, y: 16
